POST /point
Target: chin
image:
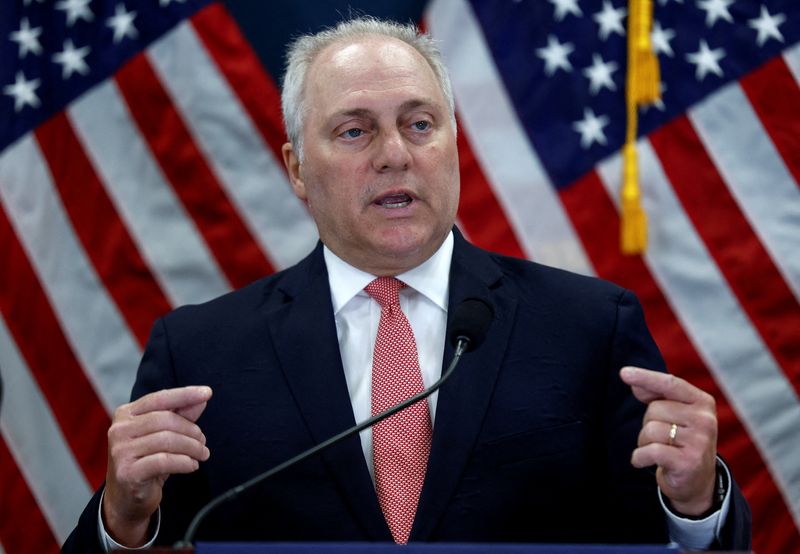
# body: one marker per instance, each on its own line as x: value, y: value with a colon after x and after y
x: 404, y: 244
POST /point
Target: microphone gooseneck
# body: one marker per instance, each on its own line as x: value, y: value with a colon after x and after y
x: 468, y: 329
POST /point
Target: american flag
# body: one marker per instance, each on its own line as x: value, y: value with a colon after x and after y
x: 140, y: 170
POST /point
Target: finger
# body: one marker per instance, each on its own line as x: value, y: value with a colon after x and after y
x: 699, y: 419
x: 655, y: 454
x: 648, y: 385
x: 192, y: 413
x: 644, y: 396
x: 168, y: 442
x: 661, y: 432
x: 670, y: 412
x: 678, y: 467
x: 166, y: 455
x: 171, y: 399
x: 155, y: 465
x: 153, y: 422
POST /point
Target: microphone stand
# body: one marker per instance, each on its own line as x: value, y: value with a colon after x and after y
x: 462, y: 345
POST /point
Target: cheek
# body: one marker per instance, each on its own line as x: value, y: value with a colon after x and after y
x: 442, y: 157
x: 444, y: 165
x: 330, y: 197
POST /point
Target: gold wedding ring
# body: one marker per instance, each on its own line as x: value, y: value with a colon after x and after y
x: 673, y: 433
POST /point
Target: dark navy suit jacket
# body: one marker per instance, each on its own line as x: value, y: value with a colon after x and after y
x: 533, y: 433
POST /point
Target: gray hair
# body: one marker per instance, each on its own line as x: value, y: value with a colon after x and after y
x: 304, y: 49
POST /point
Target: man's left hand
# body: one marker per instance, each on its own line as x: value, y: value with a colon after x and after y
x: 679, y: 435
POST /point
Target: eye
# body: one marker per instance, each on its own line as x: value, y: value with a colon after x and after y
x: 421, y: 125
x: 355, y: 132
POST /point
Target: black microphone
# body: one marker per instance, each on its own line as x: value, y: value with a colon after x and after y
x: 470, y: 323
x: 468, y: 329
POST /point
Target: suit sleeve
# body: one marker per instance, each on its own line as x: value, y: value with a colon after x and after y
x: 737, y: 530
x: 632, y: 499
x: 633, y: 345
x: 155, y: 373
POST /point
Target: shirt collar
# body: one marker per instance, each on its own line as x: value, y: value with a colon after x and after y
x: 431, y: 278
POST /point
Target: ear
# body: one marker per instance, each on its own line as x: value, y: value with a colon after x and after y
x: 292, y: 163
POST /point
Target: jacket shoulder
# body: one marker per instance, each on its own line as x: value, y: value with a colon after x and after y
x: 264, y: 294
x: 558, y: 285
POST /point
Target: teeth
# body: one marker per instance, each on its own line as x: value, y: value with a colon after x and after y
x: 396, y: 201
x: 397, y: 204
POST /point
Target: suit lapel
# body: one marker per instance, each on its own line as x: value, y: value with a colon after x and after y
x: 303, y: 333
x: 464, y: 399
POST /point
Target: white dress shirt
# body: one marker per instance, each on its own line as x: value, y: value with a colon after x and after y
x: 424, y: 302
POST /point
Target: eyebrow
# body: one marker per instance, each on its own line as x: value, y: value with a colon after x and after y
x: 404, y: 107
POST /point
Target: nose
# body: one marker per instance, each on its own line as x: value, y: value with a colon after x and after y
x: 391, y: 152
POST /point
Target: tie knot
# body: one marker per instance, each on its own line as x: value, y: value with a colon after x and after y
x: 386, y: 290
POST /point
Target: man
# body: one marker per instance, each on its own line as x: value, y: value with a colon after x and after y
x: 535, y: 438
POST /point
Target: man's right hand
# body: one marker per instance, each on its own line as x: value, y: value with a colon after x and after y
x: 149, y: 440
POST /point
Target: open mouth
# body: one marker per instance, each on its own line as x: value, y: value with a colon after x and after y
x: 393, y: 201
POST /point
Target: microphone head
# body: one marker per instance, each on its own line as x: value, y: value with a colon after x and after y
x: 471, y: 321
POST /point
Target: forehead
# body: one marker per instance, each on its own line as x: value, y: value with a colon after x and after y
x: 368, y: 67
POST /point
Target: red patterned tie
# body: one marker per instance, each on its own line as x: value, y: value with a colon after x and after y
x: 402, y: 443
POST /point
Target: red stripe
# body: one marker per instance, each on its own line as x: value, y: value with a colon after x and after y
x: 99, y: 228
x: 239, y: 63
x: 23, y: 528
x: 52, y: 362
x: 480, y: 213
x: 596, y: 220
x: 172, y: 145
x: 746, y: 265
x: 775, y: 96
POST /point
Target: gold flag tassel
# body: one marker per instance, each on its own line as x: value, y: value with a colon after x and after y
x: 641, y: 87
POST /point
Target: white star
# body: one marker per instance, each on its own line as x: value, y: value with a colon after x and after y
x: 610, y: 20
x: 555, y: 55
x: 591, y: 128
x: 767, y: 26
x: 599, y: 74
x: 716, y: 9
x: 76, y: 9
x: 27, y: 38
x: 706, y: 60
x: 122, y: 23
x: 23, y: 91
x: 564, y: 7
x: 71, y: 59
x: 661, y: 38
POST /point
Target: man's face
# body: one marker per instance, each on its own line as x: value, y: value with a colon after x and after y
x: 380, y: 168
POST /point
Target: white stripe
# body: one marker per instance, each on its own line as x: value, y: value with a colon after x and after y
x: 754, y: 384
x: 792, y: 58
x: 90, y: 320
x: 165, y: 234
x: 2, y: 551
x: 37, y: 445
x: 244, y: 164
x: 755, y: 174
x: 508, y: 159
